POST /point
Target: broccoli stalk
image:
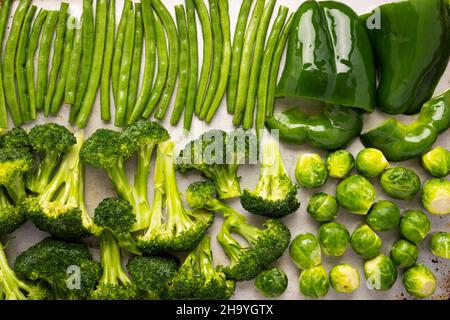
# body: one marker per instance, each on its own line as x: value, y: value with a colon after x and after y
x: 11, y: 217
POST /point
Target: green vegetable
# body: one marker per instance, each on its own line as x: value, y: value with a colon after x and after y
x: 414, y: 226
x: 271, y: 283
x: 339, y: 163
x: 74, y: 66
x: 437, y: 162
x: 105, y: 99
x: 305, y: 251
x: 380, y: 273
x: 322, y: 207
x: 4, y: 14
x: 400, y: 183
x: 311, y: 171
x: 356, y: 194
x: 404, y: 253
x: 365, y: 242
x: 440, y: 244
x: 11, y: 216
x: 371, y: 162
x: 436, y: 196
x: 314, y: 282
x: 344, y: 278
x: 334, y: 238
x: 419, y: 281
x: 383, y: 216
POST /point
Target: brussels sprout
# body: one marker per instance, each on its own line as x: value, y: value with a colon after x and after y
x: 440, y: 244
x: 334, y: 238
x: 419, y: 281
x: 314, y: 282
x: 383, y: 216
x: 356, y: 194
x: 371, y: 162
x: 340, y: 163
x: 365, y: 242
x: 414, y: 226
x: 305, y: 251
x: 322, y: 207
x: 404, y: 253
x: 311, y: 171
x: 437, y: 162
x: 380, y: 273
x: 400, y: 183
x: 271, y: 283
x: 436, y: 196
x: 344, y: 278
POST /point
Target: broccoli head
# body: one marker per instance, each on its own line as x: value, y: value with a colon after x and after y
x: 67, y: 268
x: 50, y: 141
x: 11, y: 216
x: 172, y: 227
x: 15, y: 138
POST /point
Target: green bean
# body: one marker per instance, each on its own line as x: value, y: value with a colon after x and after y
x: 75, y: 60
x: 137, y: 62
x: 9, y: 61
x: 105, y: 82
x: 207, y: 54
x: 150, y: 61
x: 273, y: 77
x: 86, y: 59
x: 57, y: 56
x: 97, y: 63
x: 125, y: 69
x: 30, y: 71
x: 226, y: 60
x: 193, y: 64
x: 21, y: 60
x: 118, y: 47
x: 217, y: 58
x: 244, y: 70
x: 258, y: 54
x: 163, y: 65
x: 238, y: 43
x: 180, y: 100
x: 265, y: 67
x: 174, y: 55
x: 4, y: 14
x: 58, y: 97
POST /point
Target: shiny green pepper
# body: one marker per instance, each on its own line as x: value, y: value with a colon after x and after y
x: 329, y: 57
x: 400, y: 142
x: 334, y: 128
x: 412, y: 46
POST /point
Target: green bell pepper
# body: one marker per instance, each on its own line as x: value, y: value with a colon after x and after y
x: 400, y: 142
x: 412, y: 48
x: 329, y: 57
x: 334, y: 128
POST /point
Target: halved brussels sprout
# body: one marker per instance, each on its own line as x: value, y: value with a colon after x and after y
x: 383, y: 216
x: 322, y: 207
x: 365, y: 242
x: 271, y: 283
x: 400, y: 183
x: 334, y: 238
x: 314, y: 282
x: 305, y: 251
x: 380, y: 273
x: 371, y: 162
x: 414, y: 226
x: 419, y: 281
x: 404, y: 253
x: 356, y: 194
x: 440, y: 244
x: 437, y: 162
x: 340, y: 163
x: 436, y: 196
x: 311, y: 171
x: 344, y: 278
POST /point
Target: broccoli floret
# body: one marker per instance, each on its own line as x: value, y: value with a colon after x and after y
x: 68, y: 268
x: 116, y: 215
x: 11, y: 216
x: 15, y: 138
x: 109, y: 150
x: 265, y: 245
x: 217, y: 155
x: 151, y: 274
x: 15, y: 289
x: 275, y: 195
x: 114, y: 283
x: 60, y: 209
x: 50, y: 141
x: 178, y: 229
